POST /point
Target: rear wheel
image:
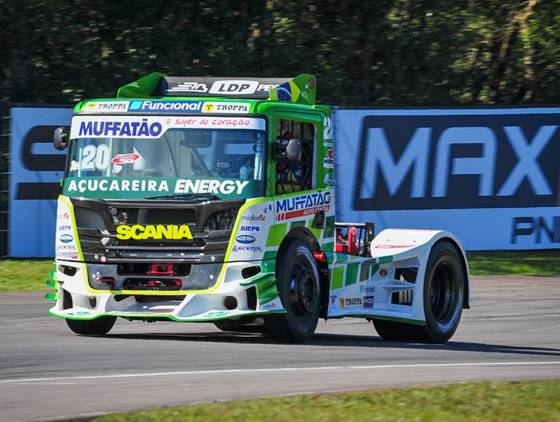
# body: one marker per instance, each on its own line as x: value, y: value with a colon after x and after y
x: 95, y: 327
x: 443, y: 300
x: 299, y: 290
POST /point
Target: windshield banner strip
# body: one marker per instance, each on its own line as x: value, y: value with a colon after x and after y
x: 166, y: 106
x: 149, y: 127
x: 145, y: 187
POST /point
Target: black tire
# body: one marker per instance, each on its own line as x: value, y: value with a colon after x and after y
x: 299, y: 289
x: 244, y: 325
x: 95, y: 327
x: 443, y: 300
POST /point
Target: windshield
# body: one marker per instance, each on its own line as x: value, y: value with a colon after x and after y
x: 143, y: 157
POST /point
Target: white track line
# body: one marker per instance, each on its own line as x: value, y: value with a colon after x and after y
x: 288, y: 369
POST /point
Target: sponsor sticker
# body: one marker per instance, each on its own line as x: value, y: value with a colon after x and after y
x: 245, y: 248
x: 344, y: 302
x: 213, y: 107
x: 106, y: 107
x: 199, y: 87
x: 78, y: 313
x: 66, y: 238
x: 327, y: 131
x: 152, y: 127
x: 269, y: 306
x: 299, y: 206
x: 253, y: 218
x: 245, y: 239
x: 215, y: 314
x: 393, y: 246
x: 125, y: 158
x: 159, y: 231
x: 368, y: 301
x: 235, y: 86
x: 210, y: 186
x: 249, y: 229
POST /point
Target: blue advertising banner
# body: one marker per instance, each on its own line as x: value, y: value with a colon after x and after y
x: 491, y: 176
x: 36, y: 170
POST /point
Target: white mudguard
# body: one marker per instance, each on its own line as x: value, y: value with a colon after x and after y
x: 390, y: 284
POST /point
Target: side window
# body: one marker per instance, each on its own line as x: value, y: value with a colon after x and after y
x: 294, y: 175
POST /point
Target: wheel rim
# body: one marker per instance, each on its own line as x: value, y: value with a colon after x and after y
x: 443, y: 297
x: 302, y: 289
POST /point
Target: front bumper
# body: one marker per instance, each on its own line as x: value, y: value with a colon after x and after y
x: 231, y: 297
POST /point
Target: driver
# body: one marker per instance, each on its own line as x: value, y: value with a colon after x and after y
x: 246, y: 169
x: 289, y: 176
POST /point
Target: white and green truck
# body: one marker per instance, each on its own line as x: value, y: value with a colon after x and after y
x: 213, y: 200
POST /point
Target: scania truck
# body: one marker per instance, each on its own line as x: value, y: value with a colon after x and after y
x: 213, y: 200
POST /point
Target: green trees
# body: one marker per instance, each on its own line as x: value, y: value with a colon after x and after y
x: 387, y: 52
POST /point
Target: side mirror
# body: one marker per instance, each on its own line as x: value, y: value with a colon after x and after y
x: 293, y: 149
x: 60, y: 138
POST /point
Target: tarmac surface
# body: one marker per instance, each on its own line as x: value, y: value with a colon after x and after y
x: 511, y: 332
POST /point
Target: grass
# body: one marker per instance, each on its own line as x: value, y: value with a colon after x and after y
x: 22, y: 275
x: 30, y: 275
x: 489, y: 401
x: 543, y: 263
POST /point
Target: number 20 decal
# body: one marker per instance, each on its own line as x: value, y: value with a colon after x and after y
x: 95, y: 157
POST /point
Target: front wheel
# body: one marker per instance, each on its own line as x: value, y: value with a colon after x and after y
x: 442, y: 298
x: 95, y: 327
x: 299, y: 290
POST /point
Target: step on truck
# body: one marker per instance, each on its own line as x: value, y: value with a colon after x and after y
x: 213, y: 200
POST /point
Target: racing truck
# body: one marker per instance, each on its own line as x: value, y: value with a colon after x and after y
x: 204, y: 199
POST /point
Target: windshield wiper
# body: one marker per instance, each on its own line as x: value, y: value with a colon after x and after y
x: 192, y: 197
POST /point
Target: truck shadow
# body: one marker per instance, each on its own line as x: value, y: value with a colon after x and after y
x: 341, y: 340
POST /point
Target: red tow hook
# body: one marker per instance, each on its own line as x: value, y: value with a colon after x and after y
x: 161, y: 269
x: 320, y: 256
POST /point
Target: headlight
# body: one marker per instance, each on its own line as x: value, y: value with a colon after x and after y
x: 222, y: 220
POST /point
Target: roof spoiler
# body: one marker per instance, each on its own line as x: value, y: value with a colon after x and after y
x: 300, y: 90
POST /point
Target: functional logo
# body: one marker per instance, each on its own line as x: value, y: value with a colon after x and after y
x: 157, y: 232
x: 167, y: 106
x: 66, y: 238
x: 245, y: 239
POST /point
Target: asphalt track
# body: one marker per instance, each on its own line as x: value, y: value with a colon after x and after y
x: 512, y: 332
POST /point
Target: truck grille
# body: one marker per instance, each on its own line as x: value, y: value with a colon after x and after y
x: 97, y: 221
